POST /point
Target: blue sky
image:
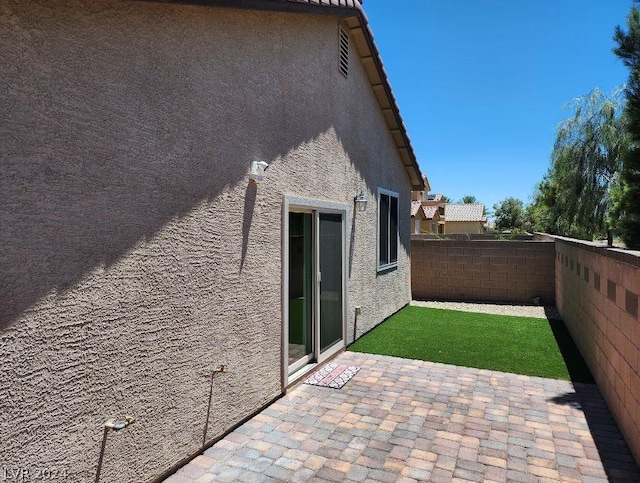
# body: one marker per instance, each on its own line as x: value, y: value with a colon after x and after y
x: 482, y: 85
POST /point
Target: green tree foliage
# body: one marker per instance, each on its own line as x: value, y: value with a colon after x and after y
x: 509, y: 214
x: 446, y: 199
x: 627, y: 195
x: 469, y: 199
x: 575, y: 197
x: 536, y: 215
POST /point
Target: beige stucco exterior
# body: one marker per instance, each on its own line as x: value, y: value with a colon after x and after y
x: 137, y: 256
x: 463, y: 227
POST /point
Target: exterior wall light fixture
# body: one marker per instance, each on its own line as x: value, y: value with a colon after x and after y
x: 361, y: 201
x: 257, y: 170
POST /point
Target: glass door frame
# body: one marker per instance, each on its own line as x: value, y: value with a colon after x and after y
x: 308, y: 358
x: 316, y: 207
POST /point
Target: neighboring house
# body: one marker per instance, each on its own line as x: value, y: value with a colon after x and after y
x: 435, y: 223
x: 426, y: 219
x: 427, y: 211
x: 464, y: 218
x: 418, y: 217
x: 423, y: 194
x: 138, y: 255
x: 436, y: 199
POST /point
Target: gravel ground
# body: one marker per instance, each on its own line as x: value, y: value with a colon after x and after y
x: 536, y: 311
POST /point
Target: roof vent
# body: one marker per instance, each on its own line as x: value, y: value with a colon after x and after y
x: 344, y: 52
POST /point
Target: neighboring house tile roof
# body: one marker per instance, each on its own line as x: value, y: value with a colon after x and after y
x: 358, y: 25
x: 434, y: 197
x: 464, y: 212
x: 427, y: 186
x: 430, y: 211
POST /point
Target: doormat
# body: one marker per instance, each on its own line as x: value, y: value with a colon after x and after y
x: 332, y: 375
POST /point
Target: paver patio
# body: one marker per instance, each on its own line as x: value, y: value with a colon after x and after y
x: 406, y: 420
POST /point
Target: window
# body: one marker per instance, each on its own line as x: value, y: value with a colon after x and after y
x: 387, y: 229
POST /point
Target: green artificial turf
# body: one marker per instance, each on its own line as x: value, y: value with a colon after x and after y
x: 520, y: 345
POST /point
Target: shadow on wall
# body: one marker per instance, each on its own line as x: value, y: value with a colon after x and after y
x: 249, y: 207
x: 105, y: 139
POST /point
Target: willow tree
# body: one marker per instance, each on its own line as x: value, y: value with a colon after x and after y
x: 585, y: 166
x: 629, y: 207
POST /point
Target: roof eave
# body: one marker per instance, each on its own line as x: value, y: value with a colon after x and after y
x: 297, y: 6
x: 372, y: 62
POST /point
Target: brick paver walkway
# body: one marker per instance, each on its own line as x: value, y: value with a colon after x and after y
x: 405, y: 420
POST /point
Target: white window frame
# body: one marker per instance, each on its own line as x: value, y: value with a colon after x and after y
x: 391, y: 194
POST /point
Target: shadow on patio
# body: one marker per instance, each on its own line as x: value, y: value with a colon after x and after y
x: 408, y: 420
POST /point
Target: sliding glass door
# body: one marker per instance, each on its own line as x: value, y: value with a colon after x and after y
x: 315, y: 289
x: 301, y: 269
x: 330, y: 280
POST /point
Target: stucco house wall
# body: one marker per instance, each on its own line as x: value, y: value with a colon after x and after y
x: 462, y: 227
x: 137, y: 256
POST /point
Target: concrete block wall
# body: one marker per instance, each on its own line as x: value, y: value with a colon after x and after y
x: 597, y: 291
x: 506, y: 271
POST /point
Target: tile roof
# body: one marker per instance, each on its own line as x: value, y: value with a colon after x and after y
x: 463, y: 212
x: 434, y: 197
x: 429, y: 211
x: 415, y: 207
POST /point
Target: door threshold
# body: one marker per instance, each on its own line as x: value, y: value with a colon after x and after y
x: 300, y: 373
x: 297, y: 376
